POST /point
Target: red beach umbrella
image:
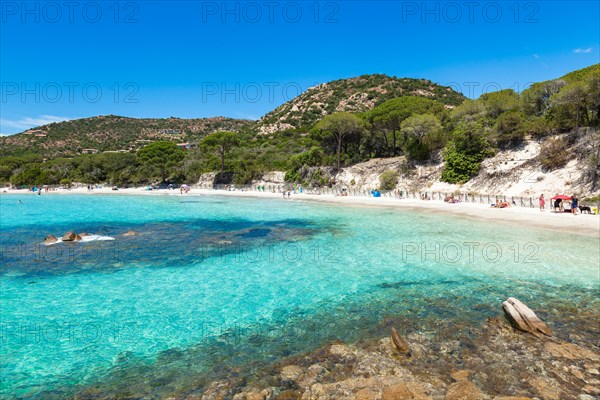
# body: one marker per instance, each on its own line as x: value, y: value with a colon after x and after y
x: 562, y: 197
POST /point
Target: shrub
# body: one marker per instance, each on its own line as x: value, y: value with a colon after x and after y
x: 459, y: 167
x: 465, y: 152
x: 388, y: 180
x: 593, y: 199
x: 509, y: 128
x: 540, y: 127
x: 65, y: 182
x: 553, y: 155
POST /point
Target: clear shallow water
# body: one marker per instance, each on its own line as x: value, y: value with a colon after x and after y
x: 212, y: 284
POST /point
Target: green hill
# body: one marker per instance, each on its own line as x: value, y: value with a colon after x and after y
x: 352, y: 95
x: 582, y: 74
x: 111, y: 133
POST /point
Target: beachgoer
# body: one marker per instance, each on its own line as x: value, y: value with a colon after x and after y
x: 542, y: 202
x: 557, y: 205
x: 289, y: 194
x: 574, y: 204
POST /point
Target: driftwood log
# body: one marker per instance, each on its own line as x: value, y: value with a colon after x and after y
x: 399, y: 343
x: 524, y: 319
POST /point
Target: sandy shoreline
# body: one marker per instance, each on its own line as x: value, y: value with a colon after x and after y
x: 588, y: 225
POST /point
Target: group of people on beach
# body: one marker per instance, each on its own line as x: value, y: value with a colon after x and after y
x: 451, y: 199
x: 558, y: 204
x: 38, y: 190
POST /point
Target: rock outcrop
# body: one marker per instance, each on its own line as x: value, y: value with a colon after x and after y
x: 50, y: 239
x: 399, y: 343
x: 71, y: 237
x: 523, y: 318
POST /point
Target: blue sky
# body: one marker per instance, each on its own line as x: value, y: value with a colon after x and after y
x: 61, y: 60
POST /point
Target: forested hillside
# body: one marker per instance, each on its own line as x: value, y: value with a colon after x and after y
x: 358, y: 94
x: 111, y: 133
x: 437, y: 127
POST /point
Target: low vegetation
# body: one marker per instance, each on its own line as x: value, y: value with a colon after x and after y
x: 388, y: 180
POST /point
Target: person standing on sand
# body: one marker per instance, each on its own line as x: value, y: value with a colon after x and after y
x: 574, y: 204
x: 542, y: 202
x: 557, y: 205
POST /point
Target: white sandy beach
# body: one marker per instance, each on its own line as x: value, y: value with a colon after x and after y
x: 583, y: 224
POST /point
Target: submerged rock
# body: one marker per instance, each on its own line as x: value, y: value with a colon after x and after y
x: 130, y: 233
x: 571, y: 351
x: 463, y: 389
x: 399, y: 343
x: 404, y: 390
x: 291, y: 372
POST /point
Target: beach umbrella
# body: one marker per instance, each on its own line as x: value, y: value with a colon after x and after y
x: 185, y: 186
x: 562, y: 197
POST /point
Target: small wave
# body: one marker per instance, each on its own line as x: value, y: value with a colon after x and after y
x: 85, y: 239
x: 93, y: 238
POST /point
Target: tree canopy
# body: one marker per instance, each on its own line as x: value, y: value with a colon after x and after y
x: 334, y: 129
x: 161, y: 156
x: 386, y: 119
x: 222, y: 143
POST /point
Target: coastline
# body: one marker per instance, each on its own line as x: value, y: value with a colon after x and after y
x: 581, y: 224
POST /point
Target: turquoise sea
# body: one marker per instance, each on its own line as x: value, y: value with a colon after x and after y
x: 213, y: 286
